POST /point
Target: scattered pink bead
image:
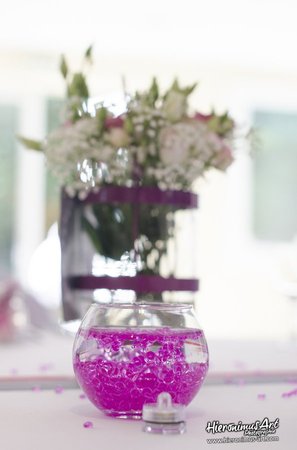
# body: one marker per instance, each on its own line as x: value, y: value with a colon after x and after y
x: 59, y: 390
x: 289, y: 393
x: 45, y: 367
x: 147, y: 360
x: 292, y: 380
x: 82, y: 396
x: 88, y: 424
x: 36, y: 389
x: 261, y: 396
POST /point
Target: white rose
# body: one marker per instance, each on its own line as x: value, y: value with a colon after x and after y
x: 174, y: 106
x: 174, y: 148
x: 117, y: 137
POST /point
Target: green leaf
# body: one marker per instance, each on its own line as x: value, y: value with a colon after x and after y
x: 101, y: 113
x: 185, y: 91
x: 153, y: 93
x: 88, y: 53
x: 128, y: 125
x: 175, y: 85
x: 78, y: 86
x: 63, y: 67
x: 188, y: 90
x: 93, y: 234
x: 30, y: 143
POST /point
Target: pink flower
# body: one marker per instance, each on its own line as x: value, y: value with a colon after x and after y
x: 202, y: 117
x: 223, y: 159
x: 113, y: 122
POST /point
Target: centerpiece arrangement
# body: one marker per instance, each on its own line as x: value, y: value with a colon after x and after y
x: 126, y: 181
x: 126, y: 178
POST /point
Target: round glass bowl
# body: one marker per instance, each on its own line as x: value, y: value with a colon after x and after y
x: 125, y: 355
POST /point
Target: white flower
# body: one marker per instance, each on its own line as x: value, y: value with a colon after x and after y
x: 174, y: 148
x: 117, y: 137
x: 159, y: 142
x: 175, y: 106
x: 141, y: 154
x: 186, y: 150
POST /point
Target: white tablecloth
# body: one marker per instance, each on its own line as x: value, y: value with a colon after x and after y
x: 33, y: 419
x: 47, y: 420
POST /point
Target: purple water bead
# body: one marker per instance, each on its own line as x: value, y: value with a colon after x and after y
x: 88, y: 424
x: 138, y: 361
x: 146, y: 379
x: 59, y: 390
x: 36, y: 389
x: 137, y: 374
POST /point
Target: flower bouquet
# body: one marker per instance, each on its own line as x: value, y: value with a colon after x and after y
x: 125, y: 178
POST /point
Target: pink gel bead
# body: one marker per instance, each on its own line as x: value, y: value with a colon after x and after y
x: 261, y: 396
x: 36, y: 389
x: 88, y: 424
x: 290, y: 393
x: 147, y: 362
x: 45, y: 367
x: 59, y: 390
x: 82, y: 396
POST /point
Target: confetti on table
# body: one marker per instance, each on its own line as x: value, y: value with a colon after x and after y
x: 261, y: 396
x: 235, y: 381
x: 36, y: 389
x: 292, y: 380
x: 88, y: 424
x: 45, y: 367
x: 59, y: 390
x: 289, y: 393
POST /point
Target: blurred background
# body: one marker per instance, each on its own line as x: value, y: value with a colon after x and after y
x: 243, y: 55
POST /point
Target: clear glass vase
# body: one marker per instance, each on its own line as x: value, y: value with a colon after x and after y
x: 122, y: 244
x: 125, y: 355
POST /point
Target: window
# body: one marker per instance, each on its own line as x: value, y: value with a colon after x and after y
x: 8, y: 127
x: 275, y: 177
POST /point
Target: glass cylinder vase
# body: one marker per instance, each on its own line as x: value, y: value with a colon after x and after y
x: 122, y: 243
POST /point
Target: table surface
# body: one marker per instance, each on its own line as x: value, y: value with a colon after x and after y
x: 48, y: 420
x: 33, y: 418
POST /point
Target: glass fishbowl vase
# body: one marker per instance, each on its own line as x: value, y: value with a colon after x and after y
x: 125, y: 355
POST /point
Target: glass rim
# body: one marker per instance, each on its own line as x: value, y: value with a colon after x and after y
x: 143, y: 305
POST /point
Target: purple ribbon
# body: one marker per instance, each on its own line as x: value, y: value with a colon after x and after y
x: 139, y: 283
x: 142, y: 194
